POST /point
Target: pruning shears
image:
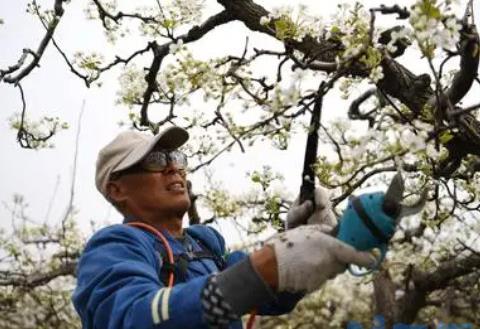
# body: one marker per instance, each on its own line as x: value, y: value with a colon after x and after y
x: 369, y: 221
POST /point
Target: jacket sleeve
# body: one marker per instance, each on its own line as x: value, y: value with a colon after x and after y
x: 282, y: 303
x: 118, y: 286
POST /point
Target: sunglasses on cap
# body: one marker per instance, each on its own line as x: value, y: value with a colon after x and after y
x: 156, y: 161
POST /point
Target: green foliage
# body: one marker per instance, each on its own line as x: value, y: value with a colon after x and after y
x: 285, y: 28
x: 445, y: 137
x: 429, y: 8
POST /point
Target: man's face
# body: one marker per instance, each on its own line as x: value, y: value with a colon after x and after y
x: 145, y: 190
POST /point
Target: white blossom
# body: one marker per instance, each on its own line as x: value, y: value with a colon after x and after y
x: 432, y: 152
x: 376, y: 74
x: 265, y: 20
x: 175, y: 47
x: 277, y: 188
x: 399, y: 293
x: 412, y: 141
x: 391, y: 47
x: 433, y: 31
x: 429, y: 234
x: 453, y: 25
x: 403, y: 33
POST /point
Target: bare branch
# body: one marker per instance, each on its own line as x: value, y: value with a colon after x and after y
x: 36, y: 279
x: 161, y: 51
x: 26, y: 138
x: 445, y: 272
x: 354, y: 110
x: 104, y: 14
x: 58, y: 10
x: 403, y: 13
x: 465, y: 110
x: 464, y: 78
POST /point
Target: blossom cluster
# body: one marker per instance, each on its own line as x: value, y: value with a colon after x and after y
x: 38, y: 130
x: 293, y: 23
x: 171, y: 15
x: 283, y: 97
x: 367, y: 149
x: 432, y: 25
x: 132, y: 86
x: 188, y: 74
x: 89, y: 64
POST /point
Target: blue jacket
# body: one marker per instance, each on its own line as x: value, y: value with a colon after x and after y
x: 119, y: 285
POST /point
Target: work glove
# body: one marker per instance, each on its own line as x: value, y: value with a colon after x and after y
x: 306, y: 213
x: 307, y: 257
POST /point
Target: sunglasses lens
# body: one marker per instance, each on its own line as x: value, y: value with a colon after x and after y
x: 179, y: 159
x: 155, y: 161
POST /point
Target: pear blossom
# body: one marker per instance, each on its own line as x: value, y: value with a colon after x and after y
x: 175, y: 47
x: 265, y: 20
x: 412, y: 141
x: 434, y: 31
x: 376, y: 74
x: 432, y: 152
x: 399, y: 293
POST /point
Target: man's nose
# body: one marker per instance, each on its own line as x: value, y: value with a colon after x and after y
x: 172, y: 168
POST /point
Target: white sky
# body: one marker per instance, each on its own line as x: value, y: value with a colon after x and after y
x: 53, y: 90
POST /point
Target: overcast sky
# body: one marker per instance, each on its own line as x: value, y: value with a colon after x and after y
x: 53, y: 90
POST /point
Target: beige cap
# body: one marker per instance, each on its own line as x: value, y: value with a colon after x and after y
x: 129, y: 147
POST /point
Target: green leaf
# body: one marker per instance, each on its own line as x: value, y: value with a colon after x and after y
x: 428, y: 7
x: 445, y: 137
x: 285, y: 28
x: 168, y: 23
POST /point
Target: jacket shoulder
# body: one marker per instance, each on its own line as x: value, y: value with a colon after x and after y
x: 119, y: 231
x: 118, y: 238
x: 210, y: 237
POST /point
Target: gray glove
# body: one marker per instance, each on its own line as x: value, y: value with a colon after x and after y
x: 307, y: 257
x: 300, y: 214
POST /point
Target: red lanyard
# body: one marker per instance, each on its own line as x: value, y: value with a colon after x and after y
x: 165, y: 243
x: 159, y: 235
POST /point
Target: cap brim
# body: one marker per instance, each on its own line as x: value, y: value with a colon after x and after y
x: 169, y: 139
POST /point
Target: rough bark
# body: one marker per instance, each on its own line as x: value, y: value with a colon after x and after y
x: 384, y: 292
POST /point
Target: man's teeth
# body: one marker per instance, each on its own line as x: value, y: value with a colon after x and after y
x: 176, y: 187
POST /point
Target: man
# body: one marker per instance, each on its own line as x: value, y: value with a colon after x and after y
x: 152, y: 273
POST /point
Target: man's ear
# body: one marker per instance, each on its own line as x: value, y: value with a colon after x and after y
x: 116, y: 192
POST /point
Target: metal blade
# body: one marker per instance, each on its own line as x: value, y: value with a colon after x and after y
x: 394, y: 195
x: 415, y: 208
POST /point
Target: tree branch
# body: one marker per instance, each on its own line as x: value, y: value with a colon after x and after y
x: 447, y: 271
x: 58, y: 10
x: 160, y: 52
x: 37, y: 279
x: 426, y: 282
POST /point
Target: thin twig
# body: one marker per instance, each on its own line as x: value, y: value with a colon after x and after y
x: 69, y: 208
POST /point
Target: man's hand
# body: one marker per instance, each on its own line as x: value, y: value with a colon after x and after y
x: 299, y: 260
x: 306, y: 257
x: 300, y: 214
